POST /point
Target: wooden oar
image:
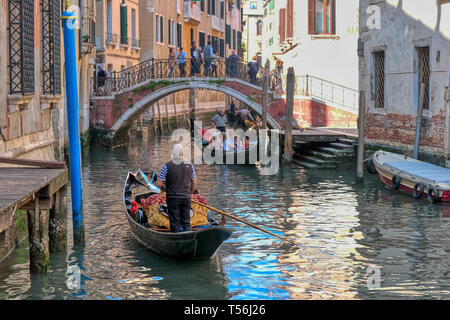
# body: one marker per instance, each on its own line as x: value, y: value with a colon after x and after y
x: 238, y: 219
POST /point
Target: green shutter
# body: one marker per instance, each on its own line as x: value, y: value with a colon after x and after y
x: 123, y: 24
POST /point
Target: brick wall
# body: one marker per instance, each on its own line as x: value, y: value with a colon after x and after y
x: 400, y: 130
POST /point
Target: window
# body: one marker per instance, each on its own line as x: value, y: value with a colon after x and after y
x: 222, y: 48
x: 133, y: 26
x: 51, y: 58
x: 378, y: 59
x: 21, y: 46
x: 322, y: 16
x: 169, y: 32
x: 201, y: 39
x: 234, y: 39
x: 222, y: 10
x: 228, y: 34
x: 259, y: 28
x: 179, y: 35
x: 158, y: 33
x: 423, y: 57
x: 161, y: 25
x: 202, y: 6
x: 123, y: 25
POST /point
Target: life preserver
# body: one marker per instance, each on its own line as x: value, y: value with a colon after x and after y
x: 433, y: 195
x: 418, y: 193
x: 371, y: 166
x: 396, y: 182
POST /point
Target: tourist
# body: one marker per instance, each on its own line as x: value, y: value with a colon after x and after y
x: 233, y: 60
x: 178, y: 177
x: 171, y: 61
x: 195, y: 59
x: 253, y: 69
x: 101, y: 78
x: 181, y: 56
x: 207, y: 56
x: 214, y: 62
x: 219, y: 121
x: 245, y: 115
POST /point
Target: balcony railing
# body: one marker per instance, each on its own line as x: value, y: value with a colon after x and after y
x: 192, y: 12
x: 111, y: 38
x: 135, y: 43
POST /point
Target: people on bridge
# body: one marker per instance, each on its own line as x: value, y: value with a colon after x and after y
x: 101, y: 78
x: 253, y: 69
x: 232, y: 63
x: 207, y: 56
x: 181, y: 56
x: 179, y: 179
x: 196, y: 58
x: 278, y: 74
x: 219, y: 121
x: 171, y: 61
x: 214, y: 63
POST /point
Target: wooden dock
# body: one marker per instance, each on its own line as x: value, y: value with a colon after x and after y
x: 42, y: 192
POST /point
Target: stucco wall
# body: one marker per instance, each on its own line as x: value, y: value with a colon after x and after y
x: 406, y: 25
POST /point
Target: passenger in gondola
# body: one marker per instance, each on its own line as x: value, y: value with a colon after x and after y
x: 179, y: 179
x: 245, y: 115
x: 237, y: 144
x: 246, y: 144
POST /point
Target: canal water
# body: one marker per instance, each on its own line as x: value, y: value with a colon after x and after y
x: 352, y: 240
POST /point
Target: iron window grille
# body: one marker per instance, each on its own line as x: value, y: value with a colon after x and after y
x: 21, y: 46
x: 51, y: 47
x: 379, y: 78
x: 423, y: 55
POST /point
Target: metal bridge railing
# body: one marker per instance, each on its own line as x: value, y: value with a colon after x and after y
x: 154, y: 69
x: 320, y: 89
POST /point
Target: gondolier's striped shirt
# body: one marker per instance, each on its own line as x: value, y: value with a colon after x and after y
x: 163, y: 173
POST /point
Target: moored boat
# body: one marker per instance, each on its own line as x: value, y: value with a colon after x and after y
x: 200, y: 243
x: 418, y: 178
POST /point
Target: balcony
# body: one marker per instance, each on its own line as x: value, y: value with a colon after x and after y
x: 87, y: 32
x: 111, y: 39
x: 135, y: 44
x: 217, y: 24
x: 192, y: 14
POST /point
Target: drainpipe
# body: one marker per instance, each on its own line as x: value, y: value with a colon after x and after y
x: 419, y: 121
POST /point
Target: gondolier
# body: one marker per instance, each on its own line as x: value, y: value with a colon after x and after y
x: 219, y: 120
x: 180, y: 181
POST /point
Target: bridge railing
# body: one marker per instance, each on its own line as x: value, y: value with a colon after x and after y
x: 320, y: 89
x: 155, y: 69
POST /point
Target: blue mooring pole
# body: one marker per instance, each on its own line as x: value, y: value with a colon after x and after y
x: 68, y: 19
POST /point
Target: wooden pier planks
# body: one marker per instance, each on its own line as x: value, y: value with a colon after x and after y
x: 19, y: 185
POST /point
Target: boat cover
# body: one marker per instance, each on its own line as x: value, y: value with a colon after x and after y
x: 422, y: 170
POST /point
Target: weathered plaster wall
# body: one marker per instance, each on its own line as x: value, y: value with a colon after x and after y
x: 406, y: 25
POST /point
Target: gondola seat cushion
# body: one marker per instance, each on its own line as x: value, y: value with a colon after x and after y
x: 199, y: 217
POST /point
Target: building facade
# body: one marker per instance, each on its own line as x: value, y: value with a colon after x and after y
x: 117, y: 34
x: 31, y: 74
x: 252, y: 33
x: 402, y: 45
x: 294, y: 32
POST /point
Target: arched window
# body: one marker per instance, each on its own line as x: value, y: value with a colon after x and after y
x: 259, y: 27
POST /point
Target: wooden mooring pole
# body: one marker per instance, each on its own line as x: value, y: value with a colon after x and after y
x: 265, y: 95
x: 167, y: 114
x: 361, y: 121
x: 159, y: 118
x: 154, y: 118
x: 288, y: 151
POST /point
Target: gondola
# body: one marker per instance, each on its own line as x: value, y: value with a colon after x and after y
x: 199, y: 244
x: 248, y: 156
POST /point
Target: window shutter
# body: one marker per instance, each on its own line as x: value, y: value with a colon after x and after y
x: 311, y: 17
x: 333, y: 16
x: 123, y: 25
x: 290, y: 19
x: 282, y: 25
